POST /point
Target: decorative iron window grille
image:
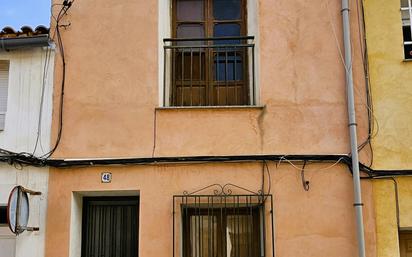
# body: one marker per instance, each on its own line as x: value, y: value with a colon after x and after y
x: 223, y: 224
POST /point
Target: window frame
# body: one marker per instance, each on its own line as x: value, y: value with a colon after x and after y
x: 3, y: 208
x: 222, y: 197
x: 221, y: 224
x: 407, y: 44
x: 234, y: 92
x: 5, y: 62
x: 403, y: 237
x: 209, y: 20
x: 87, y: 238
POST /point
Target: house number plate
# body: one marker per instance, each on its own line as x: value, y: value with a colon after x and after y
x: 106, y: 177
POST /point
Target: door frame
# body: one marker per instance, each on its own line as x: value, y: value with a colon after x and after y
x: 100, y: 198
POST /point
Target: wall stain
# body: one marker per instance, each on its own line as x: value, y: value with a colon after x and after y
x: 260, y: 121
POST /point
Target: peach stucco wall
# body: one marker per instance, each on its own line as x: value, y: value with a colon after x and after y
x: 110, y: 110
x: 316, y: 223
x: 112, y: 86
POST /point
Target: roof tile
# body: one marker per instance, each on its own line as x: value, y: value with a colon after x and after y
x: 25, y: 31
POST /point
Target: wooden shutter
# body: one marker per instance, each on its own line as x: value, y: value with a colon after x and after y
x: 207, y: 75
x: 4, y: 84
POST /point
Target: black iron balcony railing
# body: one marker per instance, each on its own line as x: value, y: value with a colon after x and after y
x: 209, y: 71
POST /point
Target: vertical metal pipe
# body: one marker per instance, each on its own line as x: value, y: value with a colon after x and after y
x: 213, y: 229
x: 187, y: 229
x: 164, y: 76
x: 191, y: 76
x: 182, y: 78
x: 352, y: 128
x: 174, y: 89
x: 200, y: 78
x: 237, y: 217
x: 410, y: 15
x: 208, y: 75
x: 217, y: 76
x: 253, y: 74
x: 263, y: 224
x: 209, y: 251
x: 226, y: 76
x: 273, y: 230
x: 225, y: 227
x: 235, y: 76
x: 196, y: 239
x: 173, y: 239
x: 248, y: 223
x: 222, y: 238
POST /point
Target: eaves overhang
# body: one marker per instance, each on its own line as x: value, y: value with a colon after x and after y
x: 7, y: 44
x: 26, y: 37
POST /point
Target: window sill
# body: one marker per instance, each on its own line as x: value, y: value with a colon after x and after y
x: 230, y: 107
x: 407, y: 60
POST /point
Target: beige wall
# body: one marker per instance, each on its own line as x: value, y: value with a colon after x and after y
x: 391, y: 84
x: 390, y: 78
x: 384, y: 192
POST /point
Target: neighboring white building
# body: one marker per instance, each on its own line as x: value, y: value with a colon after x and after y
x: 26, y: 84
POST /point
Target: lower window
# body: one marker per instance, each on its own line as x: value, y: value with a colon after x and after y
x: 7, y: 239
x: 226, y: 231
x: 225, y: 223
x: 110, y: 227
x: 405, y: 243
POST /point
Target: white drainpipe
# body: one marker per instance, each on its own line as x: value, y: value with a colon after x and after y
x: 352, y: 129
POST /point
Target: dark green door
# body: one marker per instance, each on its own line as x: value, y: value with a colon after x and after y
x: 110, y: 227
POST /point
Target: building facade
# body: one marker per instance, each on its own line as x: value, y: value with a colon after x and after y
x: 169, y: 107
x: 388, y: 34
x: 26, y: 86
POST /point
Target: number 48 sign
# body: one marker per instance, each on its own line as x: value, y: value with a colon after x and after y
x: 106, y: 177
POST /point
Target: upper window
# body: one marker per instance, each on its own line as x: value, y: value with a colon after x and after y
x: 4, y: 84
x: 209, y: 60
x: 406, y: 10
x: 209, y: 18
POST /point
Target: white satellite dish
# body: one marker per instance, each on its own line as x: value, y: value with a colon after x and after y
x: 18, y: 210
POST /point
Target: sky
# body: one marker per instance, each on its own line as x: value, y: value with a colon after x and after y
x: 17, y: 13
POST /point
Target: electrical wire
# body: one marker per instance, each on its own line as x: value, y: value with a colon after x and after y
x: 305, y: 183
x: 365, y: 61
x: 22, y: 159
x: 269, y: 177
x: 63, y: 11
x: 372, y: 120
x: 25, y: 158
x: 262, y: 186
x: 39, y: 122
x: 154, y: 132
x: 265, y: 168
x: 300, y: 169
